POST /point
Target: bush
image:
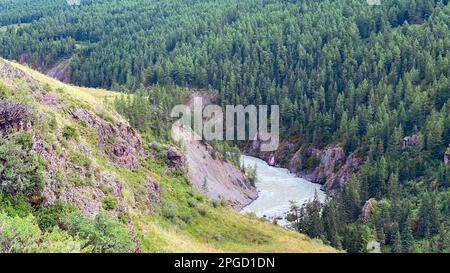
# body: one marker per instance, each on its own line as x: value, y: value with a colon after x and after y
x: 49, y: 217
x: 202, y: 211
x: 15, y: 206
x: 103, y: 235
x: 4, y: 93
x: 110, y: 203
x: 21, y: 169
x: 192, y: 203
x: 105, y: 189
x: 70, y: 132
x: 187, y: 218
x: 251, y: 175
x: 22, y: 234
x: 215, y: 203
x: 80, y: 160
x: 124, y: 217
x: 169, y: 211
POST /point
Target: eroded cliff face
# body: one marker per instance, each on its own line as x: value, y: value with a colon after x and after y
x: 212, y: 176
x: 328, y: 166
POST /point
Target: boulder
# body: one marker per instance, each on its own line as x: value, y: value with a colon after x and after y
x: 121, y: 141
x: 176, y: 158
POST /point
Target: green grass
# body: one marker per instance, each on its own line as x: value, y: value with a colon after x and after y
x: 185, y: 221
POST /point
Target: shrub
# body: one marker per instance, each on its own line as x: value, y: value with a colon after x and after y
x: 75, y: 179
x: 169, y: 211
x: 15, y: 206
x: 21, y: 169
x: 103, y: 235
x: 22, y: 234
x: 80, y: 160
x: 70, y: 132
x: 110, y: 202
x: 105, y: 189
x: 51, y: 216
x: 251, y: 175
x: 223, y: 202
x: 47, y: 87
x: 215, y: 203
x: 124, y: 217
x: 4, y: 93
x: 202, y: 211
x: 187, y: 218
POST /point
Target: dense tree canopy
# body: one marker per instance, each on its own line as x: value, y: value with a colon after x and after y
x: 342, y: 71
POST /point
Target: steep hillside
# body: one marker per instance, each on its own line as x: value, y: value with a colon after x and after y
x: 79, y: 178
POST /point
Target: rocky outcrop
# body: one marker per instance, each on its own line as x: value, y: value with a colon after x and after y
x: 154, y: 190
x: 13, y: 116
x: 120, y: 141
x: 368, y: 210
x: 410, y: 141
x: 328, y: 166
x: 447, y: 156
x: 214, y: 177
x: 176, y: 158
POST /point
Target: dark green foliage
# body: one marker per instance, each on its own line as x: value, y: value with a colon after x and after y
x: 21, y: 169
x: 110, y: 202
x: 307, y: 219
x: 48, y: 217
x: 343, y: 72
x: 148, y: 110
x: 70, y: 132
x: 428, y: 218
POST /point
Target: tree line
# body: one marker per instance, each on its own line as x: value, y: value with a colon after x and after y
x: 343, y: 72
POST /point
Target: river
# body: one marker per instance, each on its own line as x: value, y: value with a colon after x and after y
x: 276, y: 187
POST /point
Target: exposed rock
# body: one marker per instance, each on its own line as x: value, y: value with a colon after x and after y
x: 176, y: 158
x: 214, y: 177
x: 333, y: 168
x: 368, y: 210
x: 447, y: 156
x: 328, y: 166
x: 409, y: 141
x: 154, y: 189
x: 60, y: 71
x: 121, y: 141
x: 23, y: 58
x: 50, y: 99
x: 272, y: 161
x: 13, y: 116
x: 343, y: 173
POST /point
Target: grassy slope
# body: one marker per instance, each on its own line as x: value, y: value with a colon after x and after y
x: 215, y: 230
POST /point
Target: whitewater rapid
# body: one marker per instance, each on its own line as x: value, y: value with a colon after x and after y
x: 276, y: 188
